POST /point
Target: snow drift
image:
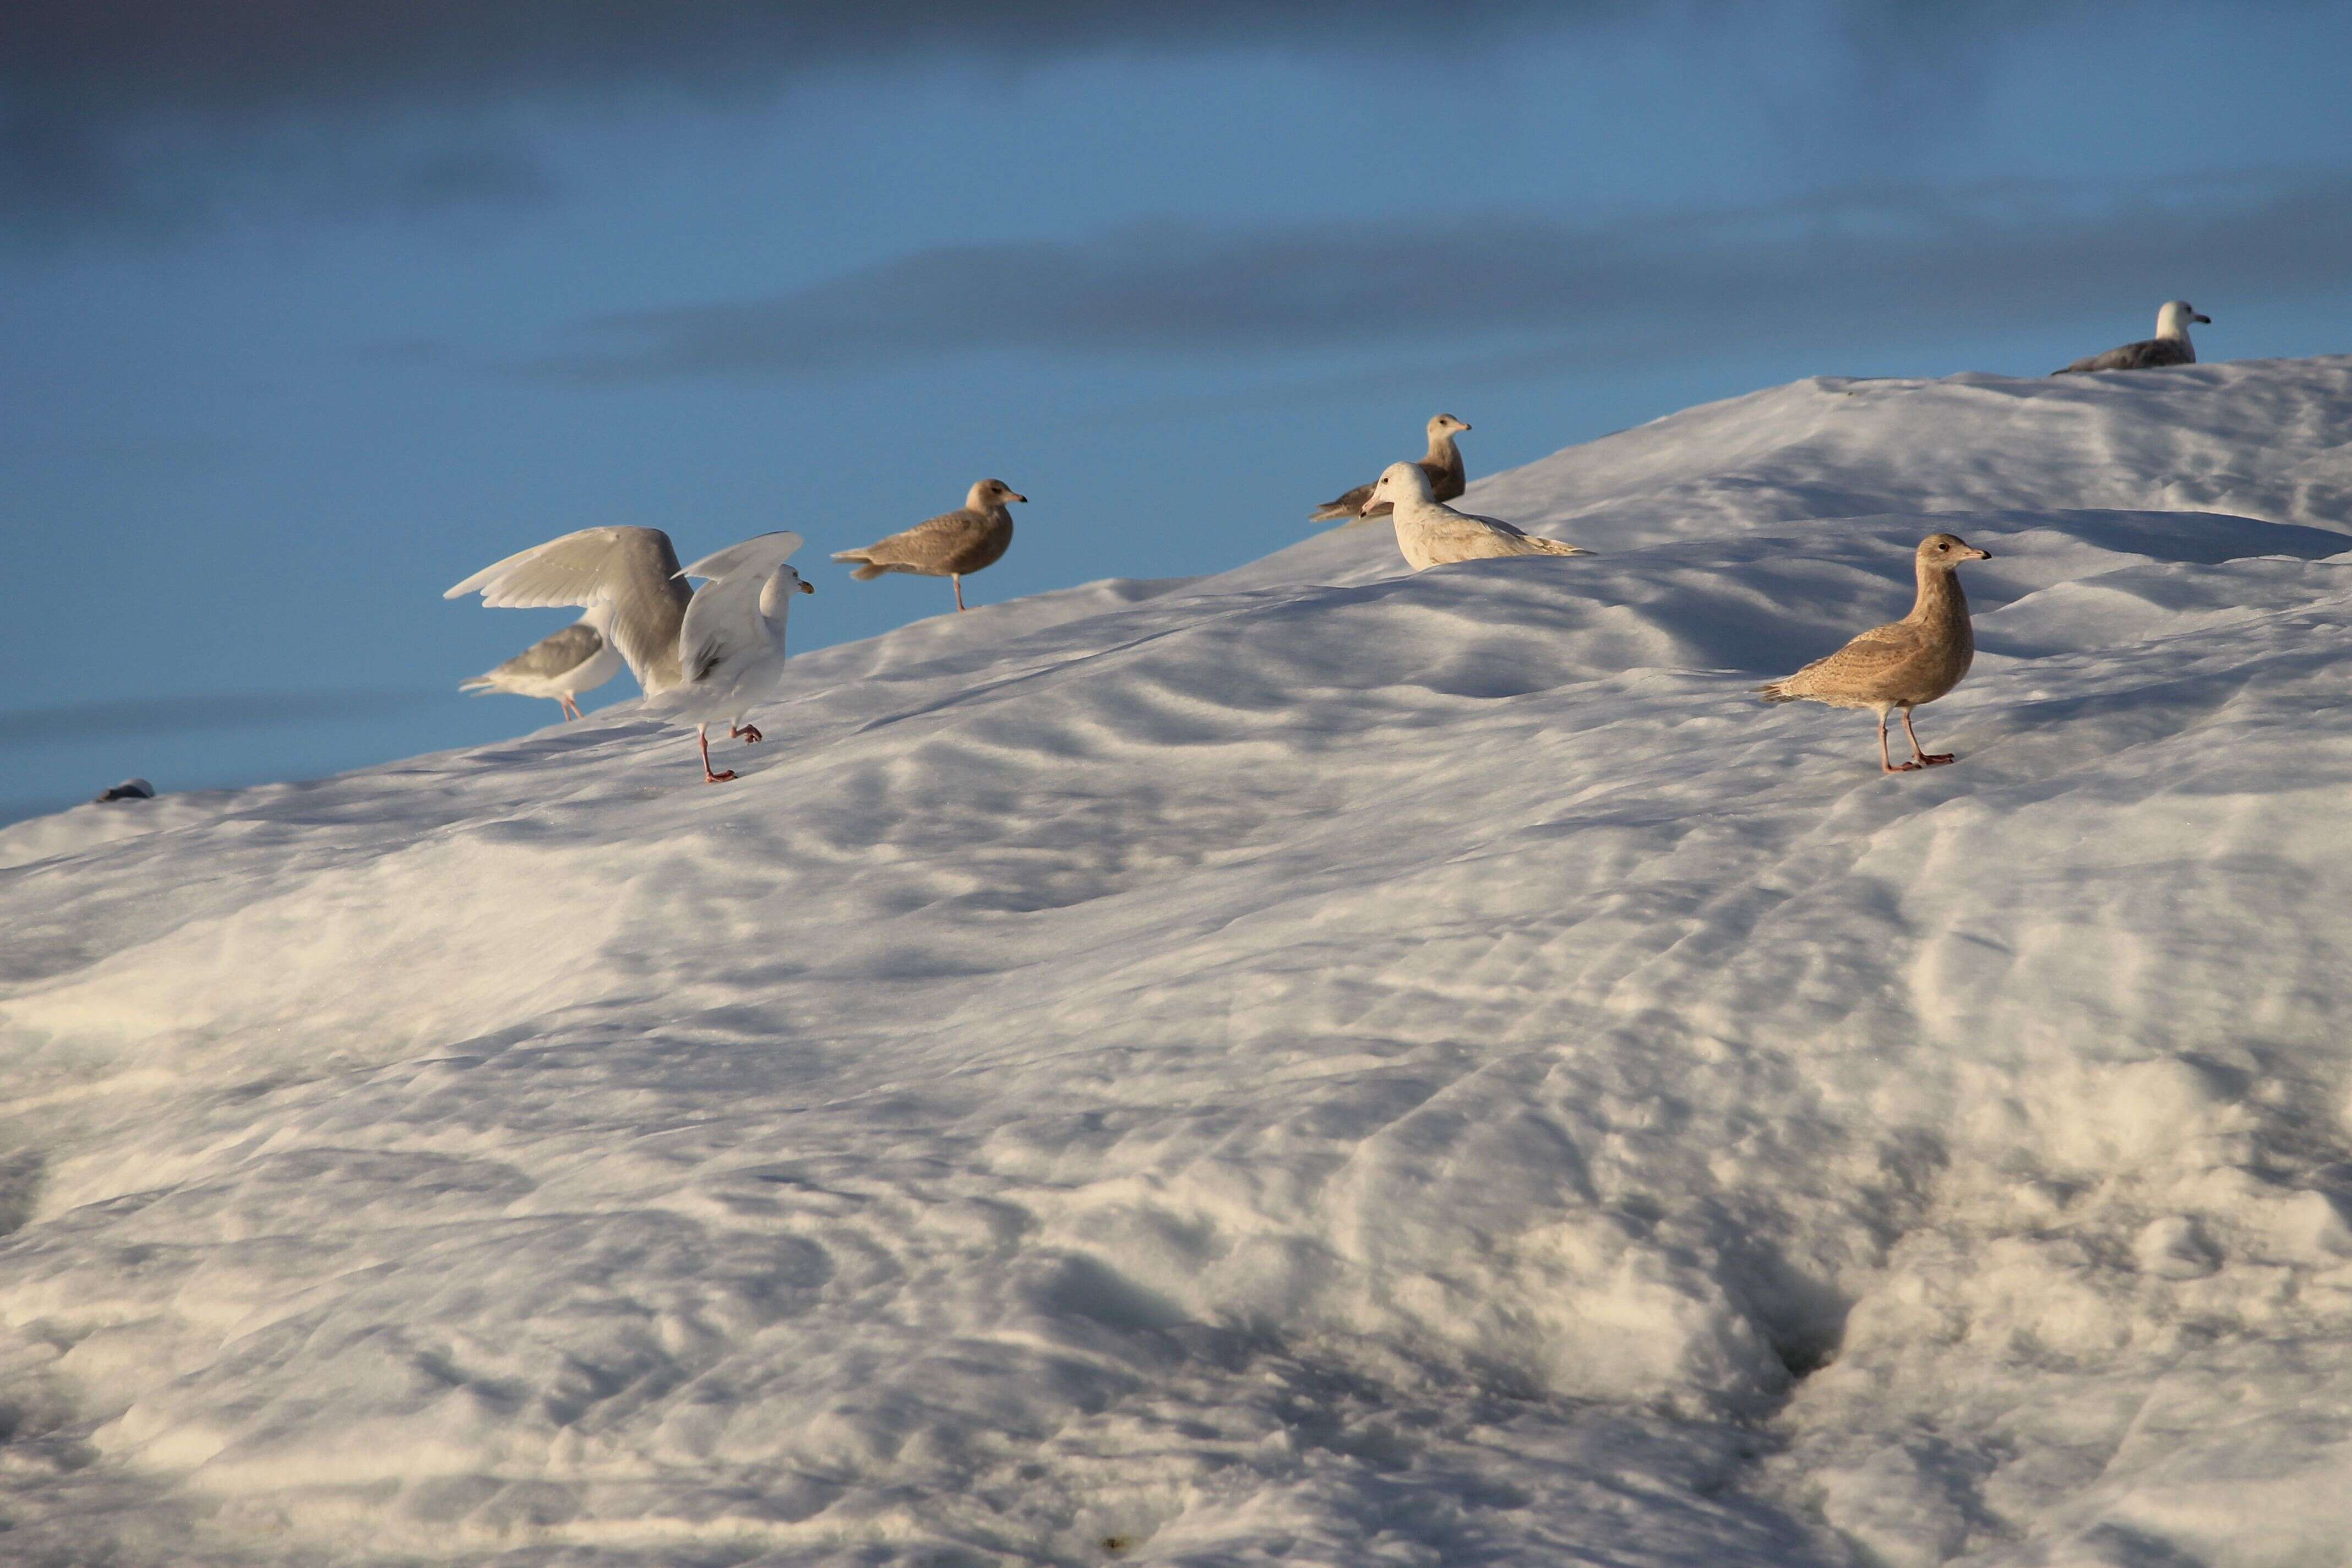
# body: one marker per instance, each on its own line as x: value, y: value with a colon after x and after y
x: 1309, y: 1064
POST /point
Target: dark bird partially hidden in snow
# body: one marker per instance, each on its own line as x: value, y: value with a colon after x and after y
x: 2170, y: 346
x: 1904, y: 663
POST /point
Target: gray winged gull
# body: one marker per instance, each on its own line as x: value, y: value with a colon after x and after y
x: 730, y: 649
x: 1904, y: 663
x: 633, y: 572
x: 578, y: 658
x: 1430, y: 533
x: 715, y: 661
x: 1447, y: 478
x: 2170, y: 346
x: 949, y: 546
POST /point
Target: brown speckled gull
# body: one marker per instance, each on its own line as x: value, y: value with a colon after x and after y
x: 1904, y: 663
x: 948, y: 545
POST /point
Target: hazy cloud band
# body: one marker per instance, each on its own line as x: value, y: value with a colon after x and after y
x: 203, y: 713
x: 145, y: 112
x: 1824, y: 267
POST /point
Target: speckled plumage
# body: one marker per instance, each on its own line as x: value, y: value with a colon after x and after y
x: 976, y: 534
x: 1904, y: 663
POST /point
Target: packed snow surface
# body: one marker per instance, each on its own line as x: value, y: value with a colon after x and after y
x: 1320, y: 1064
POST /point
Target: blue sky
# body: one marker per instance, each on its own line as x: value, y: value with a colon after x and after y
x: 313, y: 308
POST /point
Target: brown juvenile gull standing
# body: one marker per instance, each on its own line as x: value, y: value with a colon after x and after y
x: 1915, y: 659
x: 2170, y: 346
x: 948, y: 545
x: 578, y: 658
x: 1447, y: 478
x: 1430, y: 533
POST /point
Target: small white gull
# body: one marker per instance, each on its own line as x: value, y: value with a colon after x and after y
x: 948, y: 545
x: 1430, y: 533
x: 2170, y: 346
x: 700, y: 657
x: 730, y: 649
x: 1904, y: 663
x: 1447, y: 478
x: 560, y: 666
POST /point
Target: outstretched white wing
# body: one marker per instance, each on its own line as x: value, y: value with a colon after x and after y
x: 631, y: 573
x: 724, y: 620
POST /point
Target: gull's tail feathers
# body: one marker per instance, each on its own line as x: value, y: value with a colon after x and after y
x: 1346, y: 506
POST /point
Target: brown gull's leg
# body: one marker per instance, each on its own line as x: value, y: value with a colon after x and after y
x: 959, y: 585
x: 1925, y: 760
x: 1886, y: 762
x: 702, y: 733
x: 570, y: 709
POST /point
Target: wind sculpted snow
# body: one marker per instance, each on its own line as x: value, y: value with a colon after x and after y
x: 1314, y: 1065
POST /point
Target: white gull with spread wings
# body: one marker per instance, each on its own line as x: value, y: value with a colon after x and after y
x: 701, y: 656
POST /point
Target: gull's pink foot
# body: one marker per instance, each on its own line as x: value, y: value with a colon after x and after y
x: 748, y: 734
x: 1902, y: 767
x: 1920, y: 752
x: 702, y: 734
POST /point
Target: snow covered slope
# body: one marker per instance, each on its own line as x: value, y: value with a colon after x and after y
x: 1314, y: 1065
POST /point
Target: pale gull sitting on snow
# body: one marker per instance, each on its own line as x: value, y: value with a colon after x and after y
x: 578, y: 658
x: 1433, y: 534
x: 1447, y: 478
x: 948, y: 545
x: 730, y: 649
x: 1901, y: 665
x: 2170, y: 346
x: 632, y: 573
